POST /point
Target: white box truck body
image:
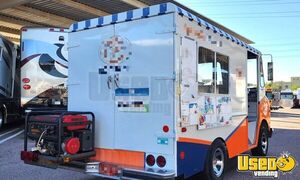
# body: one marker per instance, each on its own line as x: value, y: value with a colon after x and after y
x: 168, y: 91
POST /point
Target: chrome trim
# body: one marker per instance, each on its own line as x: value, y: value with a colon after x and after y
x: 218, y: 162
x: 160, y: 173
x: 103, y: 176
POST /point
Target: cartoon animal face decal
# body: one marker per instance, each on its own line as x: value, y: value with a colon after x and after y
x: 115, y: 50
x: 286, y: 163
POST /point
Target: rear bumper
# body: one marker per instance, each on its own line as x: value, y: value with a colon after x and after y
x: 131, y: 173
x: 93, y: 168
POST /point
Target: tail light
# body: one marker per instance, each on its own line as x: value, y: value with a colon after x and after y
x: 109, y: 169
x: 166, y: 128
x: 161, y: 161
x: 26, y: 80
x: 26, y: 87
x: 29, y: 156
x: 150, y: 160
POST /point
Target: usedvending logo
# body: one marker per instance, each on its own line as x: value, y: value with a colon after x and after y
x: 267, y: 166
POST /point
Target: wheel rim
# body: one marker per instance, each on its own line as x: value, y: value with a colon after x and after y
x: 264, y: 143
x: 218, y: 162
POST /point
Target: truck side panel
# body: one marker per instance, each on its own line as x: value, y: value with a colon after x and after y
x: 208, y: 116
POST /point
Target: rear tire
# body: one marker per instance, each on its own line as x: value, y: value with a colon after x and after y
x: 216, y: 162
x: 263, y: 142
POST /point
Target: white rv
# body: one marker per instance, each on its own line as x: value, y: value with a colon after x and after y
x: 9, y: 82
x: 44, y: 68
x: 169, y: 95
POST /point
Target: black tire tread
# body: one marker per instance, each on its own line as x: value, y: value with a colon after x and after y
x: 208, y: 168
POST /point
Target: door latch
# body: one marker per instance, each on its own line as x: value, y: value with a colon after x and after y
x: 109, y: 82
x: 116, y: 79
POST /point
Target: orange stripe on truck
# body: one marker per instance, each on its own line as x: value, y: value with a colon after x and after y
x: 238, y: 142
x: 195, y: 141
x: 120, y: 157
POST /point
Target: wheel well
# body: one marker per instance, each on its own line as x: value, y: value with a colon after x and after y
x: 221, y: 139
x: 211, y: 145
x: 265, y: 123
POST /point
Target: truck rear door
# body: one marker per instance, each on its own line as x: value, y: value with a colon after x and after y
x: 144, y: 96
x: 124, y: 74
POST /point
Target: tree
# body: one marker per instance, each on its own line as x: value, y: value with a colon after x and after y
x: 295, y: 87
x: 273, y: 86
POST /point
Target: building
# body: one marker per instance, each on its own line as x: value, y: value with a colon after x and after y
x: 295, y: 81
x: 283, y: 85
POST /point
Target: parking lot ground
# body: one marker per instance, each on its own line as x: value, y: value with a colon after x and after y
x: 285, y: 138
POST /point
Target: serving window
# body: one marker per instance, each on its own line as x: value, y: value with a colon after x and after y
x: 213, y: 72
x: 222, y: 74
x: 205, y: 73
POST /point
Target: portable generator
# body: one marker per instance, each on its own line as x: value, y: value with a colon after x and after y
x: 64, y: 136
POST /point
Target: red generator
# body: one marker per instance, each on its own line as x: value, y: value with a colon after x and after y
x: 63, y: 137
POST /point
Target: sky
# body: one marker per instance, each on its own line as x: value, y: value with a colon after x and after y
x: 274, y: 26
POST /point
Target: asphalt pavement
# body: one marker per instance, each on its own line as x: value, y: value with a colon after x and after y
x: 285, y: 138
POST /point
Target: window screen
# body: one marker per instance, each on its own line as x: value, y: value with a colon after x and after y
x: 222, y: 74
x: 205, y: 74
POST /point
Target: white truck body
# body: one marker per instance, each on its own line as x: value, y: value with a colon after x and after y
x: 167, y: 90
x: 44, y: 67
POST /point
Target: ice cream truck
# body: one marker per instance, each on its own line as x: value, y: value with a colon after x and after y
x: 155, y: 92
